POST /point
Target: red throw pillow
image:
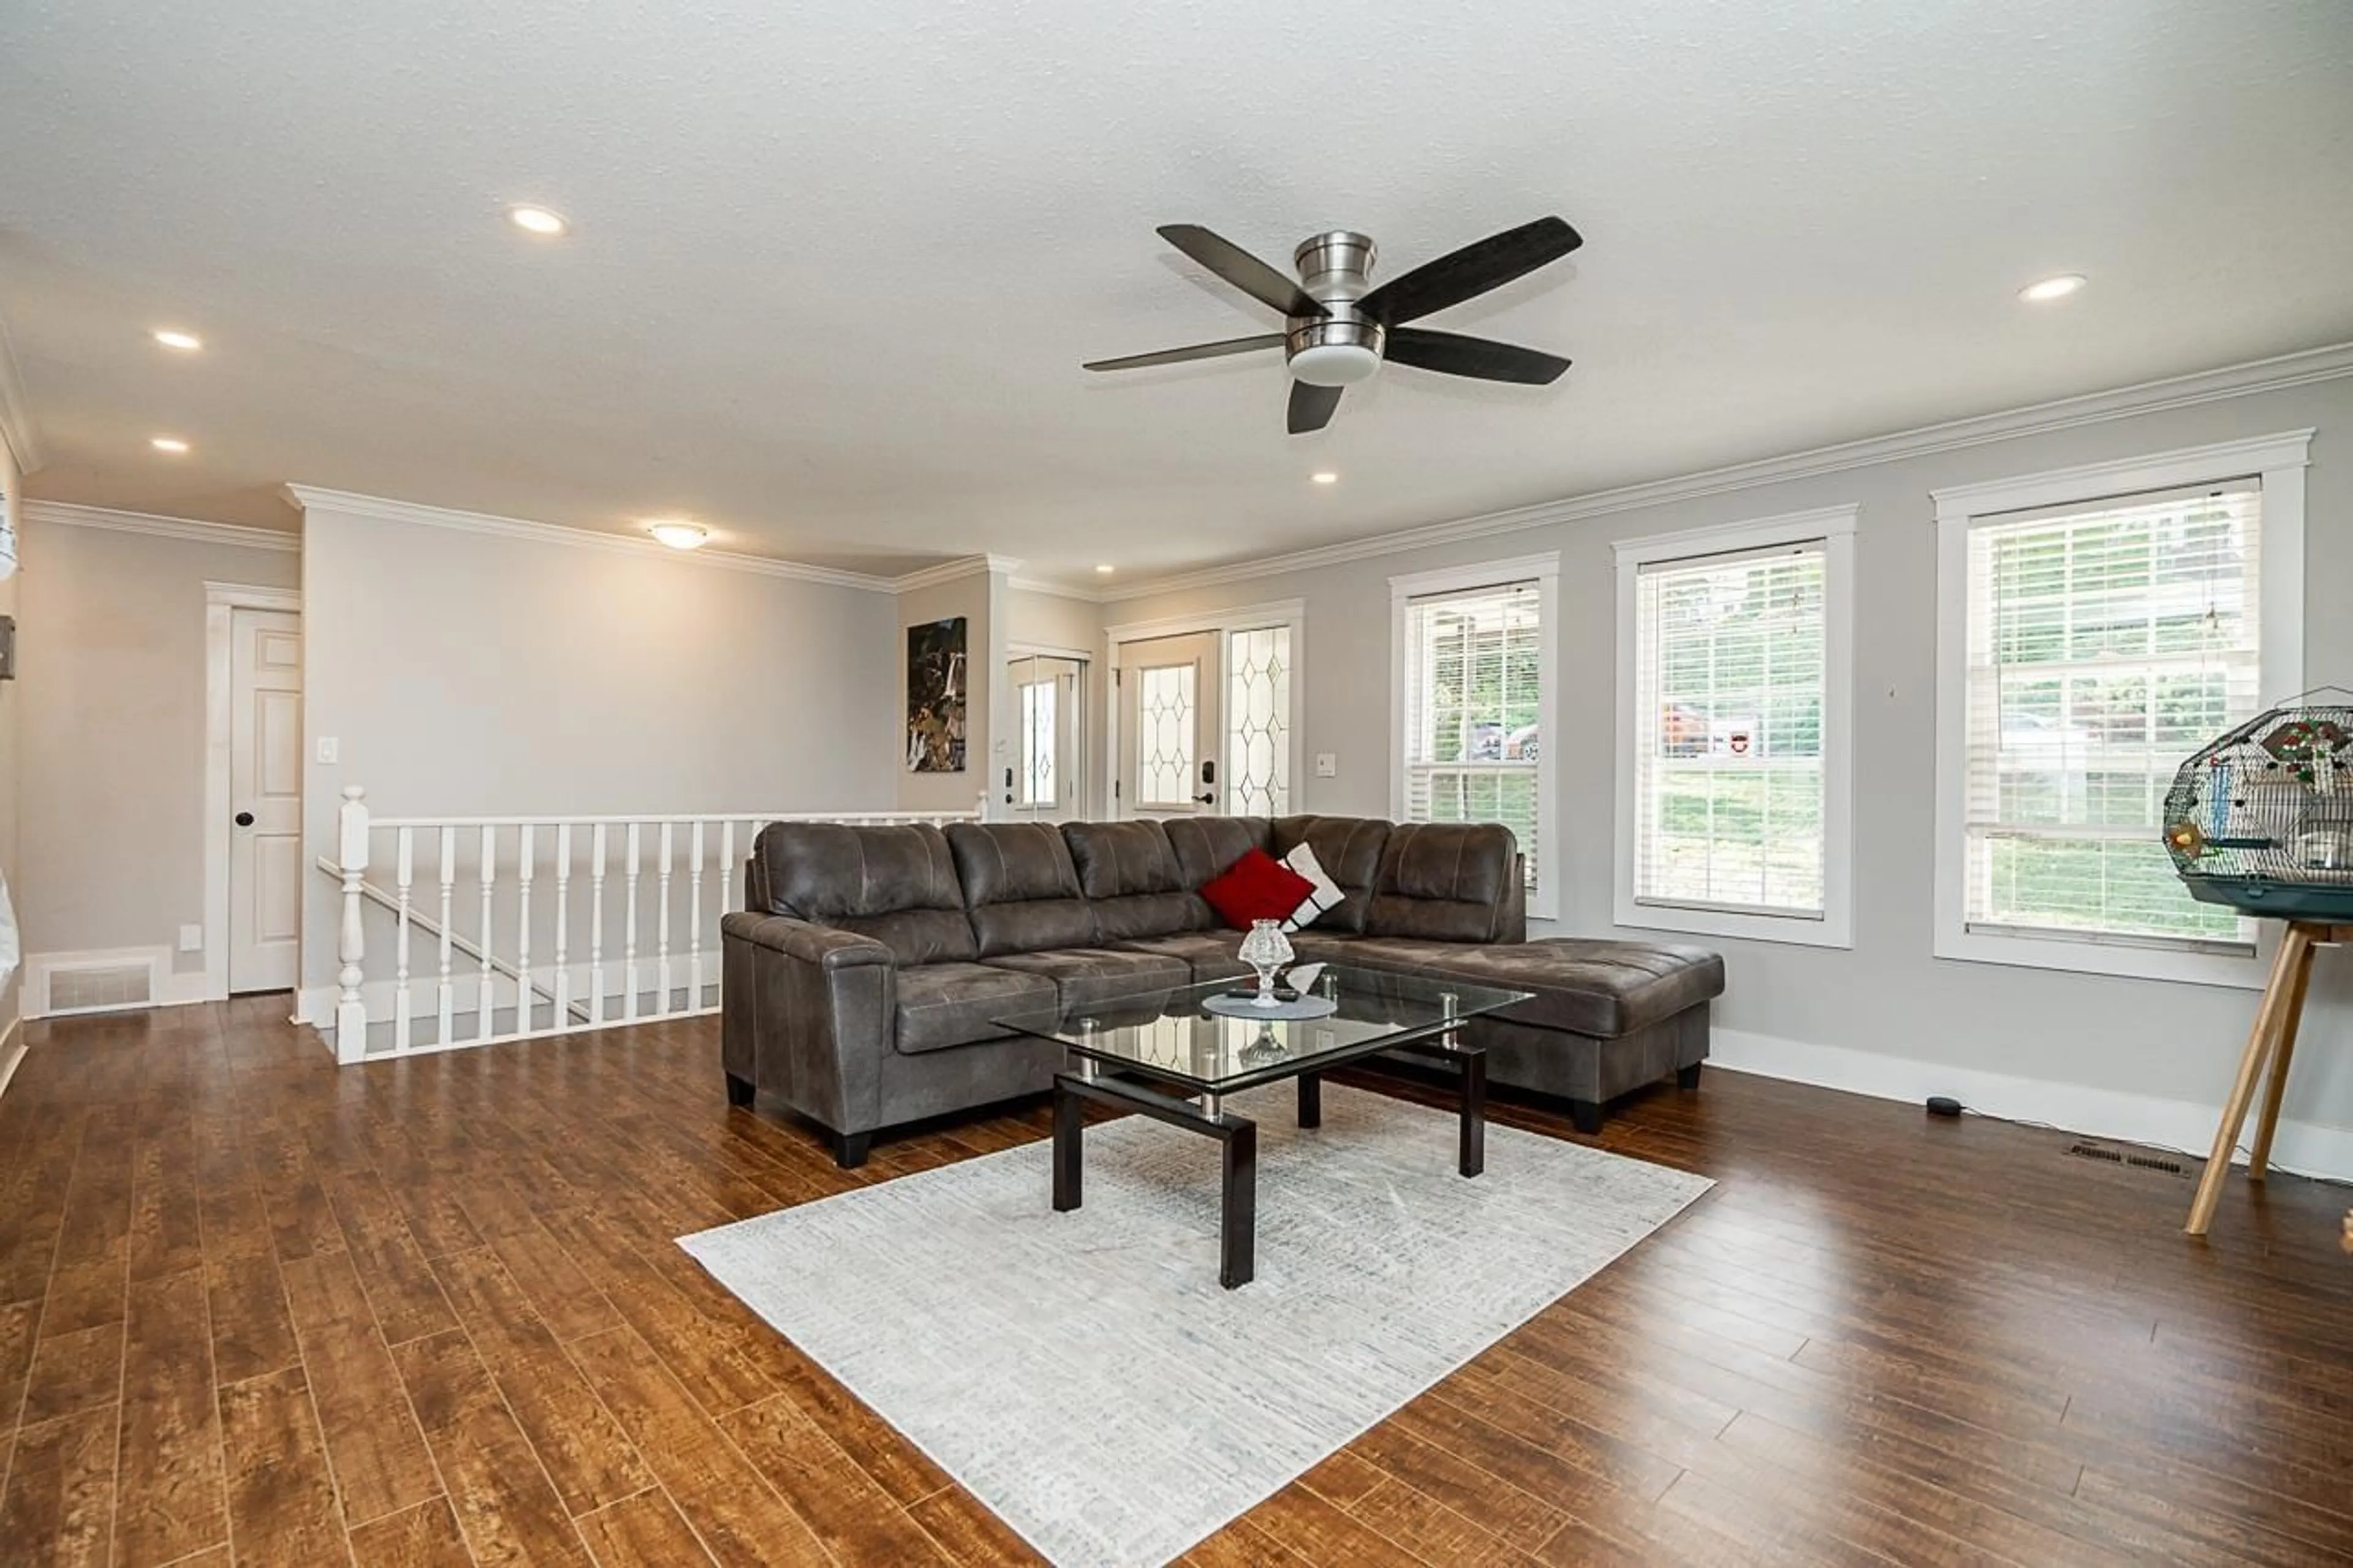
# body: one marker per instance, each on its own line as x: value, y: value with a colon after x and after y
x: 1258, y: 887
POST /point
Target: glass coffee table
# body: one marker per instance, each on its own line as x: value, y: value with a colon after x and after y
x: 1165, y: 1054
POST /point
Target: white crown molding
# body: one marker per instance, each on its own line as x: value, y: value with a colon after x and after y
x: 955, y: 571
x: 383, y: 508
x: 2272, y: 375
x: 1723, y: 538
x: 1059, y: 590
x: 65, y: 514
x: 16, y: 425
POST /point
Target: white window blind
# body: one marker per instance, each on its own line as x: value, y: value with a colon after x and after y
x: 1474, y: 672
x: 1730, y: 689
x: 2106, y: 641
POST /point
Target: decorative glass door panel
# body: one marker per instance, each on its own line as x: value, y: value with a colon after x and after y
x: 1258, y: 721
x: 1169, y: 729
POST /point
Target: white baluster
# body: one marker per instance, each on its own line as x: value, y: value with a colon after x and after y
x: 695, y: 917
x: 486, y: 996
x: 445, y: 994
x: 350, y: 946
x: 404, y: 873
x: 661, y: 929
x: 596, y: 924
x: 563, y: 1019
x: 726, y: 889
x: 629, y: 932
x: 523, y: 931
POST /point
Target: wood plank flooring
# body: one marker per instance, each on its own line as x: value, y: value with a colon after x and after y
x: 254, y: 1309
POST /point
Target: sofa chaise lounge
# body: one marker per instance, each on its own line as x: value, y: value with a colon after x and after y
x: 871, y: 973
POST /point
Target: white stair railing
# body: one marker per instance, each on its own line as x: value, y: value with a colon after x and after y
x: 526, y: 875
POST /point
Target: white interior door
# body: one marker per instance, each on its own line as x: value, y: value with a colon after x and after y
x: 1168, y: 727
x: 264, y: 856
x: 1046, y: 780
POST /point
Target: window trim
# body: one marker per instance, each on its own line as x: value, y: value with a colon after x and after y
x: 1544, y: 571
x: 1835, y: 528
x: 2279, y: 462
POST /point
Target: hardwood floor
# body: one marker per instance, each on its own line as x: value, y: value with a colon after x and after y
x: 254, y: 1309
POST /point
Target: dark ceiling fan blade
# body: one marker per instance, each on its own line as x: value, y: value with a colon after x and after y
x: 1451, y: 353
x: 1199, y: 350
x: 1241, y: 269
x: 1311, y: 406
x: 1470, y: 271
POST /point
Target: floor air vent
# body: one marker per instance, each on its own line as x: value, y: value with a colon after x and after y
x: 99, y: 987
x: 2161, y: 1163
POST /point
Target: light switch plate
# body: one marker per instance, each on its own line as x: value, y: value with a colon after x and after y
x: 329, y: 752
x: 192, y: 939
x: 1327, y: 765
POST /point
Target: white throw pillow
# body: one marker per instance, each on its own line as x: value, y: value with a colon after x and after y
x: 1326, y: 894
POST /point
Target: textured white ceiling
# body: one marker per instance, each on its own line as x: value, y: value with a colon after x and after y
x: 834, y: 265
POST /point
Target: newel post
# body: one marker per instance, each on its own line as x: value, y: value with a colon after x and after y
x: 350, y: 946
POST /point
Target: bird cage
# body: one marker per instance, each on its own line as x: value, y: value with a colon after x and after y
x: 2262, y: 819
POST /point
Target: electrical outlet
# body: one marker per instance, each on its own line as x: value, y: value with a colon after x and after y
x: 1327, y: 765
x: 192, y: 939
x: 329, y: 750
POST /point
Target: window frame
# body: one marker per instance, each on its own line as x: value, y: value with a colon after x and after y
x: 2278, y: 462
x: 1833, y: 527
x: 1544, y: 571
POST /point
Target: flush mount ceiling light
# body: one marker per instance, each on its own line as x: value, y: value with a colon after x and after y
x: 1325, y: 478
x: 170, y: 443
x: 680, y: 535
x: 2049, y: 289
x: 172, y: 338
x: 537, y: 220
x: 1106, y: 571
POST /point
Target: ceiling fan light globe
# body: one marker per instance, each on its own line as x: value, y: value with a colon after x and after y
x: 1335, y: 364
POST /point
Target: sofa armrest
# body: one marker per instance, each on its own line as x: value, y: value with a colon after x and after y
x: 811, y: 943
x: 807, y: 1015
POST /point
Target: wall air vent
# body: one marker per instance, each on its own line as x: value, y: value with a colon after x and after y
x: 102, y: 987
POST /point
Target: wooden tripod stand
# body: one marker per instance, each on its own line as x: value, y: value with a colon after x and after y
x: 2272, y: 1042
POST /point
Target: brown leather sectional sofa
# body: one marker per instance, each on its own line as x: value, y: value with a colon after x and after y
x: 869, y: 975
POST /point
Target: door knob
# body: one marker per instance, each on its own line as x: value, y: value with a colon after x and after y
x: 245, y: 819
x: 1208, y: 798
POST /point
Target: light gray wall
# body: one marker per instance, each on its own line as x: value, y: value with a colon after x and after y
x: 1887, y: 994
x: 11, y: 703
x: 470, y: 674
x: 111, y: 732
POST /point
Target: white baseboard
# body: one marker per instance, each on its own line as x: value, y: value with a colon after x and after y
x: 2305, y: 1147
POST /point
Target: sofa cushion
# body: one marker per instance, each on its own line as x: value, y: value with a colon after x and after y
x: 1020, y: 888
x: 1446, y: 881
x: 1091, y: 977
x: 1209, y: 954
x: 1128, y: 871
x: 895, y: 884
x: 1350, y: 850
x: 1206, y: 845
x: 944, y: 1004
x: 1600, y: 989
x: 1258, y: 887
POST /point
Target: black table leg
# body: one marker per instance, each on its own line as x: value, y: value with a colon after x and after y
x: 1070, y: 1147
x: 1238, y: 1229
x: 1474, y: 1113
x: 1311, y: 1099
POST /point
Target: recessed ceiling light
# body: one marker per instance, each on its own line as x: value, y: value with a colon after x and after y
x: 2057, y: 288
x: 537, y: 220
x: 680, y: 535
x: 170, y: 443
x: 171, y: 338
x: 1106, y: 571
x: 1325, y: 478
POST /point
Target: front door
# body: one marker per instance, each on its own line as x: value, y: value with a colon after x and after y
x: 1168, y: 727
x: 265, y: 856
x: 1047, y: 779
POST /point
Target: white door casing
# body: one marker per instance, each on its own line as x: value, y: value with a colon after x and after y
x: 1169, y: 726
x: 1046, y: 779
x: 265, y: 832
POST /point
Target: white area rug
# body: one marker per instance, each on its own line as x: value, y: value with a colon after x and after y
x: 1084, y: 1376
